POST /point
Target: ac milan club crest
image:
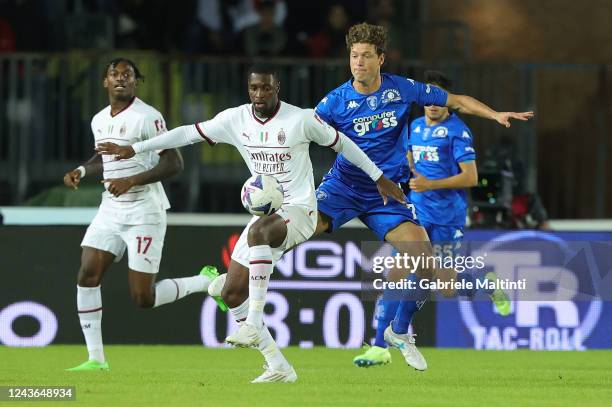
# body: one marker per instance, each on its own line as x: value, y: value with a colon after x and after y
x: 281, y: 137
x: 122, y: 130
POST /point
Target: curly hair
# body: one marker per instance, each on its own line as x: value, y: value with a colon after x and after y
x: 117, y: 61
x: 368, y: 34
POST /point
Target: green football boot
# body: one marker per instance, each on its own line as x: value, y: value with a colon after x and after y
x: 211, y: 273
x: 499, y: 297
x: 90, y: 365
x: 374, y: 356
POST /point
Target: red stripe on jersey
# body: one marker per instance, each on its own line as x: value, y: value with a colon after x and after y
x: 267, y: 147
x: 209, y: 141
x: 335, y: 141
x: 89, y: 310
x: 260, y: 262
x: 177, y: 289
x: 275, y: 173
x: 119, y: 169
x: 133, y: 200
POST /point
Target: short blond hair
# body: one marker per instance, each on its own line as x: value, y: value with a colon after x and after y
x: 365, y: 33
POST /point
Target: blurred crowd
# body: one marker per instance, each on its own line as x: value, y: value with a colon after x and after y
x: 314, y: 28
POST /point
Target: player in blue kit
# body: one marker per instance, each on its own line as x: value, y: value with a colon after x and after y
x: 443, y: 161
x: 372, y: 109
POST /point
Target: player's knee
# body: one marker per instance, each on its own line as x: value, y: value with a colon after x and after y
x: 89, y: 276
x: 143, y: 299
x: 258, y: 234
x: 233, y: 296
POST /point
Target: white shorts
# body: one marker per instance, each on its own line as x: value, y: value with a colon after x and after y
x: 144, y: 242
x: 301, y: 224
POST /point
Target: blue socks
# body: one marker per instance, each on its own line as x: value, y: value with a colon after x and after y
x: 407, y: 307
x: 385, y: 312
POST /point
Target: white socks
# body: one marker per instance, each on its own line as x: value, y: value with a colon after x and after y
x: 89, y: 306
x: 240, y: 312
x: 260, y: 269
x: 170, y: 290
x: 267, y: 346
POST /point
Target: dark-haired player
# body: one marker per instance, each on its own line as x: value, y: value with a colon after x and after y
x: 372, y: 109
x: 132, y: 214
x: 273, y: 138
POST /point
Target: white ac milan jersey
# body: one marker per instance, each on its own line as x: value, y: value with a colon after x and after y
x: 277, y: 146
x: 137, y: 122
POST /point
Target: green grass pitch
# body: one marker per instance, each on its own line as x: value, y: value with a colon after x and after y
x: 193, y: 375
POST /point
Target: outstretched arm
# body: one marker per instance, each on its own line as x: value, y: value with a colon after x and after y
x: 170, y: 164
x: 469, y: 105
x: 178, y: 137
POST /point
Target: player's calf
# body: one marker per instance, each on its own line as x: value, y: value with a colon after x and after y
x: 234, y: 295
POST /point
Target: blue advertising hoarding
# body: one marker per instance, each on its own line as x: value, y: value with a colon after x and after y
x: 568, y: 305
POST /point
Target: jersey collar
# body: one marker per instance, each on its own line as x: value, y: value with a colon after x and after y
x: 124, y: 109
x: 276, y: 109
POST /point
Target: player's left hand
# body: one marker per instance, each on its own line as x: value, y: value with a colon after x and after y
x: 119, y: 186
x: 388, y: 188
x: 503, y: 118
x: 120, y: 152
x: 419, y: 183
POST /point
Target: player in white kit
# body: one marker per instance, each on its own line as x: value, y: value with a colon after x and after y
x: 273, y: 137
x: 132, y: 214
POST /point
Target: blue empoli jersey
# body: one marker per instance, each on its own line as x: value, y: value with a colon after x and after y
x: 375, y: 123
x: 437, y: 151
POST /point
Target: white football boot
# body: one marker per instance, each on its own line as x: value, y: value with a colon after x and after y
x: 270, y: 375
x: 245, y: 337
x: 406, y: 344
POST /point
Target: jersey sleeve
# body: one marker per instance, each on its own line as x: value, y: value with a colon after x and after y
x: 422, y: 94
x: 463, y: 150
x: 218, y: 129
x: 153, y: 125
x: 319, y: 131
x: 324, y: 110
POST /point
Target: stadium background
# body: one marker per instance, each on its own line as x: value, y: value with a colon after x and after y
x: 549, y: 56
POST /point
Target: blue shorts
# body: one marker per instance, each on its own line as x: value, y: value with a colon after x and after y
x: 444, y: 237
x: 342, y: 203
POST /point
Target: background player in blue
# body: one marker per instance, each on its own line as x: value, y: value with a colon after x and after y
x: 372, y: 109
x: 443, y: 161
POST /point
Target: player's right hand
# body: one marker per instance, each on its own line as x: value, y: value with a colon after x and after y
x: 388, y: 188
x: 120, y: 152
x: 72, y: 179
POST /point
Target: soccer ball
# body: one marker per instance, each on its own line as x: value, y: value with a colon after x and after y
x: 262, y: 195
